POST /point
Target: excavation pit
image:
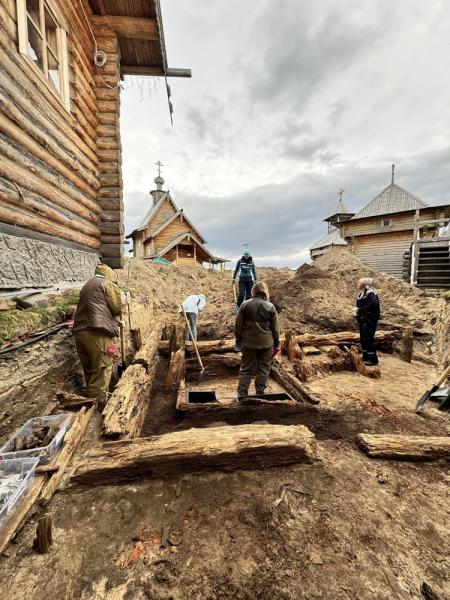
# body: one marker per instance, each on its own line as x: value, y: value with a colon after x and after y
x: 201, y: 396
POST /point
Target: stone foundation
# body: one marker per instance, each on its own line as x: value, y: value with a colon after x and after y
x: 26, y: 262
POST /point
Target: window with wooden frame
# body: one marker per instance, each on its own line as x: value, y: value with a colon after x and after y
x: 386, y: 223
x: 43, y: 41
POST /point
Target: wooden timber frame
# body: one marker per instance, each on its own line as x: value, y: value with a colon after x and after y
x: 219, y: 360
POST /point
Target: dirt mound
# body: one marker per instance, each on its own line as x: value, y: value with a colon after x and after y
x: 167, y: 286
x: 322, y: 296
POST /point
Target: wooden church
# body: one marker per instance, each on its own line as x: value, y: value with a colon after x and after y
x: 167, y: 233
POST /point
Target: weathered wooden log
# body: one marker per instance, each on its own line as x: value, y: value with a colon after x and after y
x: 373, y: 373
x: 404, y: 447
x: 423, y: 358
x: 125, y: 412
x: 215, y: 362
x: 72, y: 401
x: 175, y: 372
x: 229, y: 447
x: 406, y: 345
x: 71, y: 442
x: 291, y: 348
x: 290, y: 383
x: 204, y: 347
x: 343, y: 337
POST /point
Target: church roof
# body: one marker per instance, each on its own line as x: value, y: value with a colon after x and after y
x: 393, y: 199
x: 331, y: 239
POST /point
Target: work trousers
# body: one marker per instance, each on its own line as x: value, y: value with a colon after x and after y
x: 367, y: 337
x: 254, y: 362
x: 192, y: 318
x: 245, y: 290
x: 97, y: 364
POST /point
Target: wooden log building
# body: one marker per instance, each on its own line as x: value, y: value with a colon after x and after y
x: 61, y: 64
x: 167, y: 233
x: 396, y: 233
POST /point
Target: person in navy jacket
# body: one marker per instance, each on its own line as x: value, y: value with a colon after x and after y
x: 368, y: 315
x: 245, y: 270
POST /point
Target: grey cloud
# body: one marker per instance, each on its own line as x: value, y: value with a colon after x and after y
x: 297, y: 47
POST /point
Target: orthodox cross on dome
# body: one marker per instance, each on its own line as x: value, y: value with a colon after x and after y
x: 341, y: 191
x: 159, y: 165
x: 393, y: 172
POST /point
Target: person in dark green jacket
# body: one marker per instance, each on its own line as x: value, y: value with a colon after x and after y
x: 258, y: 335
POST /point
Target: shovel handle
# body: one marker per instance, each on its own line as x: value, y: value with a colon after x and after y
x: 193, y: 341
x: 443, y: 377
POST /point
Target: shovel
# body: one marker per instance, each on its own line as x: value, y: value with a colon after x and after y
x: 435, y: 387
x: 236, y: 308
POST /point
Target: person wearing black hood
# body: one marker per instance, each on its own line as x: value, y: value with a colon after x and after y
x: 245, y: 270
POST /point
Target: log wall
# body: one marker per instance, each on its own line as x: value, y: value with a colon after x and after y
x: 109, y: 146
x: 60, y: 179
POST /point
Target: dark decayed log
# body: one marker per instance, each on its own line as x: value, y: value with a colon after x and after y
x: 404, y: 447
x: 229, y: 447
x: 125, y: 413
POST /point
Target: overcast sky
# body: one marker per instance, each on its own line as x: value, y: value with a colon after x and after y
x: 290, y: 100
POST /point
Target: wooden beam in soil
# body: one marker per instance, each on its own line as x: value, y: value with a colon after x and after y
x: 218, y: 448
x: 404, y: 447
x: 125, y: 412
x: 175, y: 372
x: 360, y: 367
x: 291, y: 384
x: 342, y: 337
x: 71, y: 442
x: 254, y: 407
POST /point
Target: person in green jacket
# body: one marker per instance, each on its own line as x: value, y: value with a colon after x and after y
x: 258, y: 335
x: 96, y: 324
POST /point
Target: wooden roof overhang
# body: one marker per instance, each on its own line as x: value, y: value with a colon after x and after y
x: 140, y: 32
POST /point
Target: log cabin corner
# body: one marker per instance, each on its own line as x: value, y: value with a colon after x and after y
x: 61, y: 64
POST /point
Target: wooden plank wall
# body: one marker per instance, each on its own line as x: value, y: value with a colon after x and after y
x: 107, y: 81
x: 48, y: 156
x: 172, y: 231
x: 383, y: 252
x: 164, y: 212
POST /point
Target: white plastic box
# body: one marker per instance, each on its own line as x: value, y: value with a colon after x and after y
x: 23, y: 470
x: 45, y: 453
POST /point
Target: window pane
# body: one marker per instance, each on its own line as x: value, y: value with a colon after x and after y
x: 51, y: 29
x: 53, y: 71
x: 34, y: 45
x: 33, y: 11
